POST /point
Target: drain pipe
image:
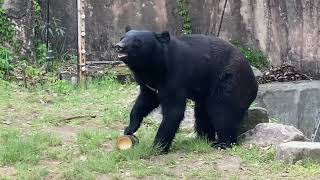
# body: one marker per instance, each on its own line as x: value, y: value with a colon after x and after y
x: 48, y: 21
x: 316, y: 129
x: 221, y: 20
x: 50, y: 55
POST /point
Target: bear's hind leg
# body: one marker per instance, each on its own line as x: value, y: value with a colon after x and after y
x: 203, y: 127
x: 226, y: 106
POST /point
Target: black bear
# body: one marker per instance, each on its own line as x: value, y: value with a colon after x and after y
x: 170, y: 70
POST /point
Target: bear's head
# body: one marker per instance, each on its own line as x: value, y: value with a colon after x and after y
x: 137, y: 47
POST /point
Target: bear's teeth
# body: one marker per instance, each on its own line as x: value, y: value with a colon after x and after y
x: 122, y: 55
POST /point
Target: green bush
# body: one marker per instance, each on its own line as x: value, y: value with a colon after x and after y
x: 6, y: 58
x: 184, y: 13
x: 7, y: 31
x: 37, y: 7
x: 62, y: 87
x: 33, y: 73
x: 41, y: 53
x: 255, y: 57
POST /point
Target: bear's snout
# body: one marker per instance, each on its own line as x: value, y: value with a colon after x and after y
x: 119, y: 47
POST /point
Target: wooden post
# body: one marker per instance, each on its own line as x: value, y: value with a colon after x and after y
x: 81, y: 43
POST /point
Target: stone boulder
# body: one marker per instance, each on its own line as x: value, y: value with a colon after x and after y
x: 292, y: 103
x: 187, y: 122
x: 266, y: 134
x: 294, y: 151
x: 257, y: 73
x: 256, y: 115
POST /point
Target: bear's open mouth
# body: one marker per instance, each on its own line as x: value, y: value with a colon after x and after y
x: 122, y: 55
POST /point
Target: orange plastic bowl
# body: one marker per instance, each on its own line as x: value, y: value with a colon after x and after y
x: 126, y: 142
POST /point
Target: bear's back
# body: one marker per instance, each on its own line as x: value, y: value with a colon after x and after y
x: 201, y: 40
x: 201, y: 49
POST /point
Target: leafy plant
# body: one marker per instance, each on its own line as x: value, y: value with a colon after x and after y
x: 255, y: 57
x: 56, y: 37
x: 9, y: 45
x: 53, y: 32
x: 73, y: 58
x: 33, y: 72
x: 7, y: 31
x: 33, y: 75
x: 41, y: 53
x: 6, y: 58
x: 62, y: 87
x: 41, y: 47
x: 184, y: 13
x: 37, y: 7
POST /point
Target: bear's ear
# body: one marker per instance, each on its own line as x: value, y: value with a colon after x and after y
x: 163, y: 37
x: 128, y: 28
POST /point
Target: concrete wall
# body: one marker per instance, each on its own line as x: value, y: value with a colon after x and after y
x: 106, y: 21
x: 21, y: 13
x: 292, y: 103
x: 286, y: 30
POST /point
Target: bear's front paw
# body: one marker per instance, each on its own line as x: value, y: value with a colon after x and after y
x: 221, y: 145
x: 128, y: 131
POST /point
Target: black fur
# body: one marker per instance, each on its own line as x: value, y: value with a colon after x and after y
x: 170, y: 70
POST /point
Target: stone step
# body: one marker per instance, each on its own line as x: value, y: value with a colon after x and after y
x: 294, y: 151
x: 255, y: 116
x: 292, y: 103
x: 267, y: 134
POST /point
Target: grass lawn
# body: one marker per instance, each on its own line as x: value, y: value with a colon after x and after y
x: 39, y: 139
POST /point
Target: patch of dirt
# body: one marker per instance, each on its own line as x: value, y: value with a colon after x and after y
x: 104, y: 177
x: 53, y: 168
x: 180, y: 164
x: 229, y: 164
x: 119, y: 126
x: 8, y: 171
x: 68, y: 133
x: 50, y: 163
x: 108, y: 146
x: 17, y: 117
